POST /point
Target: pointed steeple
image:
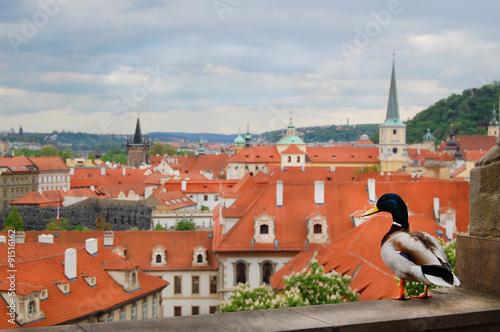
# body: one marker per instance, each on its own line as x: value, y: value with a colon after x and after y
x: 248, y: 137
x: 494, y: 121
x: 138, y: 134
x: 201, y: 148
x: 392, y: 117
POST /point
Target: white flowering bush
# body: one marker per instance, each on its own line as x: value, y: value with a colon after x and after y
x: 310, y: 286
x: 319, y: 287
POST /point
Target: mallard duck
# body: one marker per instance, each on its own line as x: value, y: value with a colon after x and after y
x: 413, y: 256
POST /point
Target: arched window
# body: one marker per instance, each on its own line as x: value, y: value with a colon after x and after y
x: 267, y: 271
x: 199, y: 258
x: 289, y: 159
x: 298, y: 159
x: 318, y: 229
x: 158, y: 258
x: 241, y: 273
x: 31, y: 307
x: 134, y: 279
x: 264, y: 229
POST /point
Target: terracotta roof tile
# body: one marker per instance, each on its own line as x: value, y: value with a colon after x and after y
x: 50, y: 164
x: 81, y: 301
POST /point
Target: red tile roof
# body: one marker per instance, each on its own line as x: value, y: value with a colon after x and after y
x: 139, y: 246
x: 86, y: 177
x: 257, y: 154
x: 341, y: 200
x: 343, y: 155
x: 50, y: 164
x: 52, y: 197
x: 82, y: 300
x: 474, y: 155
x: 199, y: 163
x: 18, y: 164
x: 475, y: 142
x: 292, y: 149
x: 173, y: 200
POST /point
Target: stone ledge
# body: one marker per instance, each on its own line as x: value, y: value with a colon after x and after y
x: 448, y: 309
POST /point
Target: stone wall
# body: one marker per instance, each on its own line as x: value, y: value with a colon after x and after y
x: 122, y: 215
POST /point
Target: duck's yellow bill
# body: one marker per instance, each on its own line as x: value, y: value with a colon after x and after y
x: 373, y: 210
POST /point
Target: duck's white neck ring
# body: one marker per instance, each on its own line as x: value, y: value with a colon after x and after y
x: 397, y: 224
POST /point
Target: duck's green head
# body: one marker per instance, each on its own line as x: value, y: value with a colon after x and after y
x: 393, y: 204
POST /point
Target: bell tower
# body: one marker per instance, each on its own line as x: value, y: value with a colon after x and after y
x: 137, y: 148
x: 392, y: 133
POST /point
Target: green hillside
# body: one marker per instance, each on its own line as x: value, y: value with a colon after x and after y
x: 469, y: 113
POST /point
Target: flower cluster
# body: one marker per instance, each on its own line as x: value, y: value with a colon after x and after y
x: 310, y: 286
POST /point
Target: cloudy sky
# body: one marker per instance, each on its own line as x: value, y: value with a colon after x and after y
x: 216, y: 65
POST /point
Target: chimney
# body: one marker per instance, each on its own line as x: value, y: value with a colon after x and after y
x: 319, y: 192
x: 436, y: 208
x: 70, y: 263
x: 92, y: 188
x: 183, y: 186
x: 45, y: 238
x: 71, y: 171
x: 332, y: 169
x: 20, y: 237
x: 371, y: 190
x: 279, y: 193
x: 109, y: 239
x: 103, y: 171
x: 40, y: 191
x: 124, y: 171
x: 91, y: 246
x: 3, y: 239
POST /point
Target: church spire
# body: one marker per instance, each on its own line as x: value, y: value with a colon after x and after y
x: 392, y: 117
x: 138, y: 134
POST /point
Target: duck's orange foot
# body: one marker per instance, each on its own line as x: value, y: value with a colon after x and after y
x: 401, y: 295
x: 424, y: 295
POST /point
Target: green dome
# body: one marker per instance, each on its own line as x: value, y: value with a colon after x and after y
x: 239, y: 141
x: 428, y: 137
x: 291, y: 140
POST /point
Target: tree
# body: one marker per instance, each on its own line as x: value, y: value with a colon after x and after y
x: 49, y: 151
x: 185, y: 225
x: 159, y: 227
x: 64, y: 224
x: 14, y: 220
x: 310, y: 286
x: 101, y: 224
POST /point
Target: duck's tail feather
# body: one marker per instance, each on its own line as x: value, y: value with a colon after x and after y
x: 440, y: 276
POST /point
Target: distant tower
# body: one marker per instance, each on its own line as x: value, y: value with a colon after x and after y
x: 429, y: 140
x: 137, y: 148
x: 248, y: 138
x: 21, y: 133
x: 201, y: 148
x: 392, y: 133
x: 493, y: 125
x: 239, y: 143
x: 452, y: 147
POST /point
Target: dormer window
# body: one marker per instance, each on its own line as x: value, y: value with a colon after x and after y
x: 44, y: 295
x: 317, y: 228
x: 264, y: 228
x: 133, y: 278
x: 90, y: 279
x: 200, y: 256
x: 159, y: 255
x: 63, y: 286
